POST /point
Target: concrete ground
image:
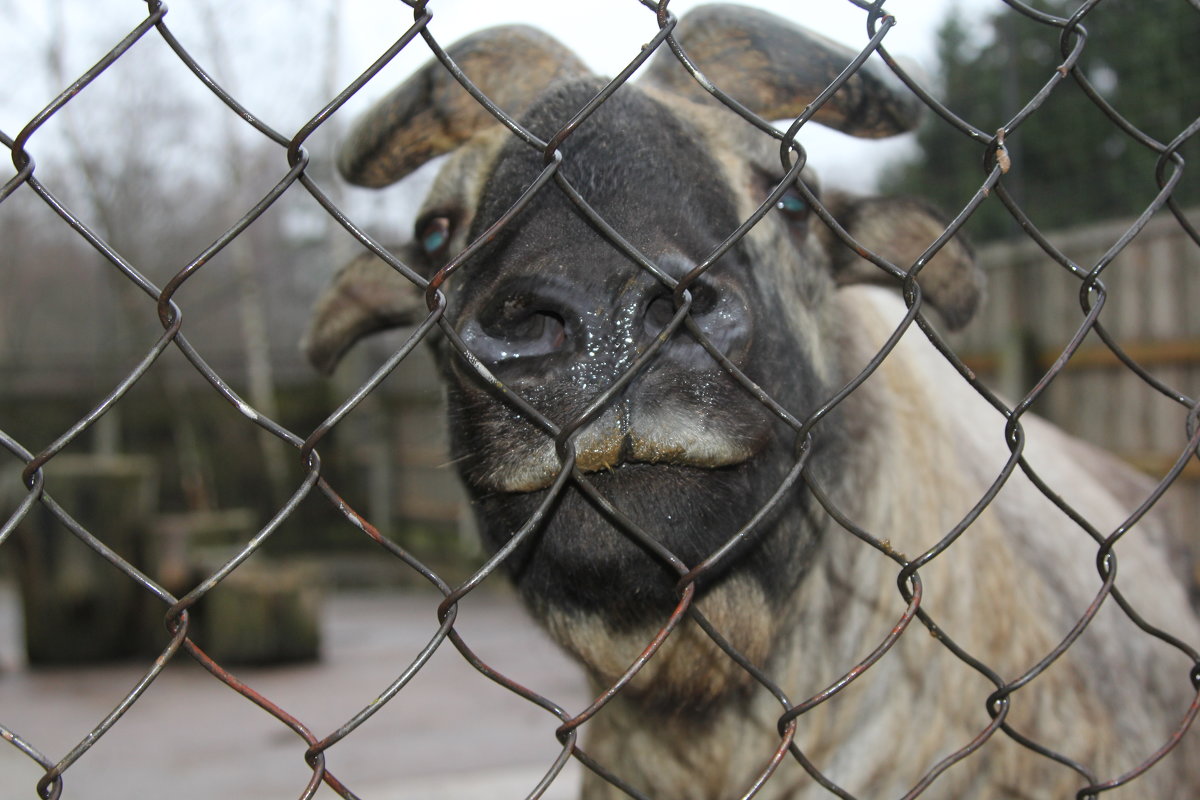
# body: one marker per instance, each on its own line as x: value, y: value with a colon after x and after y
x: 450, y: 734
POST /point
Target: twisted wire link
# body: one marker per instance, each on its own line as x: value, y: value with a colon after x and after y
x: 295, y: 176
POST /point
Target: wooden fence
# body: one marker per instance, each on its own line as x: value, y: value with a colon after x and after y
x: 1153, y: 311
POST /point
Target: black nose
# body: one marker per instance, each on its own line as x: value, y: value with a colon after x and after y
x: 522, y: 321
x: 560, y: 322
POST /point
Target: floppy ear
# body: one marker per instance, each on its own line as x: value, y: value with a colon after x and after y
x: 776, y: 68
x: 366, y: 296
x: 900, y: 229
x: 431, y: 113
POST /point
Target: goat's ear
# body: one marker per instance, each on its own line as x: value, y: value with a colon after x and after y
x: 899, y: 230
x: 431, y: 113
x: 366, y: 296
x: 776, y: 68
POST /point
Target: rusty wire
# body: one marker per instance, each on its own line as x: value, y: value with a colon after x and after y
x: 295, y: 177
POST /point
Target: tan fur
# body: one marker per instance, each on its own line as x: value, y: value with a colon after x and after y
x: 690, y: 672
x: 1007, y: 591
x: 922, y: 448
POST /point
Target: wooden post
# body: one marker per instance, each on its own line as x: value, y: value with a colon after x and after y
x: 77, y: 606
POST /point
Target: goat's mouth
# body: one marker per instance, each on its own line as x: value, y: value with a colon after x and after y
x: 591, y: 552
x: 617, y: 452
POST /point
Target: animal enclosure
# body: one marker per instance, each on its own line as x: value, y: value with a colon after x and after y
x: 1092, y: 328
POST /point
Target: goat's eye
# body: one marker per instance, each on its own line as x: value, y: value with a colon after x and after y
x: 434, y: 236
x: 793, y: 205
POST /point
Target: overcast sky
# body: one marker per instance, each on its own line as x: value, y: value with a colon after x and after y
x: 608, y: 33
x: 263, y: 50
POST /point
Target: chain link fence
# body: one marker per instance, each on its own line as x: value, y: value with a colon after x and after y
x: 297, y: 172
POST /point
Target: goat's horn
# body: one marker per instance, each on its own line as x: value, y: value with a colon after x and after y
x: 776, y: 68
x: 366, y: 296
x: 431, y: 114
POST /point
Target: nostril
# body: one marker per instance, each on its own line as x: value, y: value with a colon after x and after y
x: 533, y: 331
x: 704, y: 298
x: 719, y: 313
x: 659, y: 313
x: 518, y: 326
x: 661, y: 310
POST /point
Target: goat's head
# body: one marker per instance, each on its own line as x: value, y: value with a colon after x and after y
x: 633, y: 355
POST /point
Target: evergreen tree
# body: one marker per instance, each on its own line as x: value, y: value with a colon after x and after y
x: 1071, y: 164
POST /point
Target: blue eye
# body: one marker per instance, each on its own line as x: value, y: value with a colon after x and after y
x: 792, y: 204
x: 434, y: 241
x: 435, y: 236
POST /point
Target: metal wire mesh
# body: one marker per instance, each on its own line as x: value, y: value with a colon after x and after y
x: 295, y: 174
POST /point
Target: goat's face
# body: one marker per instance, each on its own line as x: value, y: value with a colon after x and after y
x: 558, y: 314
x: 632, y: 364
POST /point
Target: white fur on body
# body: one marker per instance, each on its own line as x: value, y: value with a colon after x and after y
x: 1008, y: 590
x: 920, y: 449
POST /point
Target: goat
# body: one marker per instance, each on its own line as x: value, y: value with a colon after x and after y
x: 640, y: 396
